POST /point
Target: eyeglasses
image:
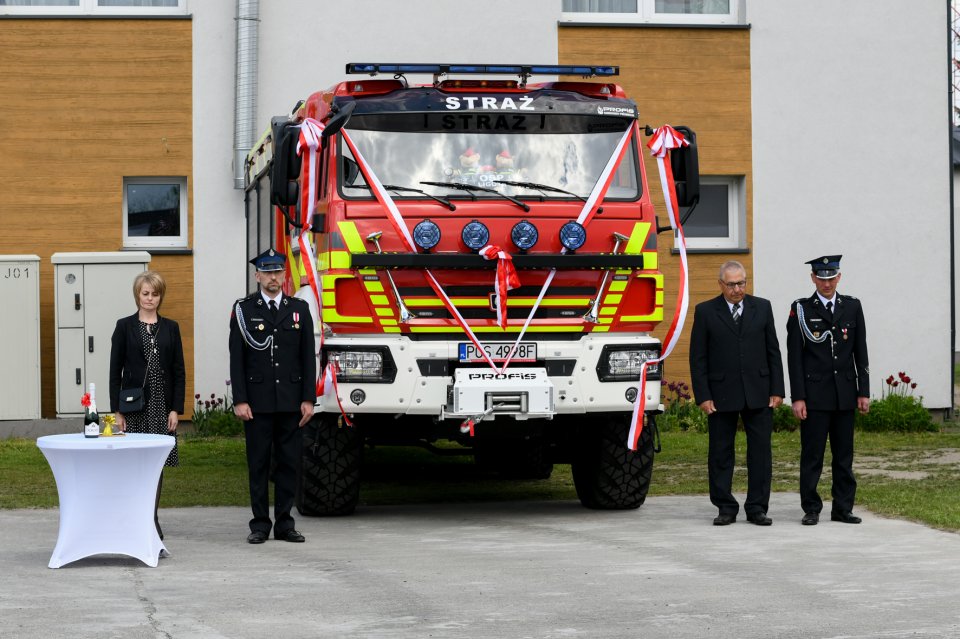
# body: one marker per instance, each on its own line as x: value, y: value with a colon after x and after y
x: 735, y: 285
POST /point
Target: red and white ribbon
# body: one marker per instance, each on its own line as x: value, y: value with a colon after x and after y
x: 506, y: 280
x: 328, y: 382
x: 309, y: 142
x: 665, y: 139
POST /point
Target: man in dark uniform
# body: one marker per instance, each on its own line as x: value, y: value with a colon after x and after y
x: 737, y: 373
x: 273, y: 374
x: 829, y: 380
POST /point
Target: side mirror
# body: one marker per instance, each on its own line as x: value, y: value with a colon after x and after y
x: 286, y: 163
x: 351, y: 171
x: 336, y: 122
x: 686, y: 169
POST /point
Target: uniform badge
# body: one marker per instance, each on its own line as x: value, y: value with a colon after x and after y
x: 845, y: 336
x: 296, y: 320
x: 816, y: 335
x: 260, y: 327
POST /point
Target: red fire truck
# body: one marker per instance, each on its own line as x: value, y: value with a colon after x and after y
x: 482, y: 255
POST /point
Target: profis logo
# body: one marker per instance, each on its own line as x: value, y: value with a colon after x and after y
x: 493, y: 376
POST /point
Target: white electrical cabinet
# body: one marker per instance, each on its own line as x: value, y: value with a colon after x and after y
x: 20, y: 327
x: 91, y: 292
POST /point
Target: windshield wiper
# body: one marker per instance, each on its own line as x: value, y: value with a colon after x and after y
x: 544, y: 187
x: 406, y: 189
x: 470, y: 188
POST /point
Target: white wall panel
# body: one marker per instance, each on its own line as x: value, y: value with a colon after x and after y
x: 851, y: 156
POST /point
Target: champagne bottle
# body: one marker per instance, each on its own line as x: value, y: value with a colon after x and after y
x: 91, y: 418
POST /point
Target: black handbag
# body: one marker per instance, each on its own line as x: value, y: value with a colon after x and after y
x: 131, y: 400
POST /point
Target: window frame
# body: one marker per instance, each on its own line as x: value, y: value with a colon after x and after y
x: 646, y: 14
x: 736, y: 238
x: 91, y: 7
x: 180, y: 241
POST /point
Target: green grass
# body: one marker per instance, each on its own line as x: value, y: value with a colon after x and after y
x: 213, y: 473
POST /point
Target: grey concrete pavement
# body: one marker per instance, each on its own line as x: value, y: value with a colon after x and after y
x: 540, y: 569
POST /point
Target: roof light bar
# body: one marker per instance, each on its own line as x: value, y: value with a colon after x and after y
x: 486, y: 69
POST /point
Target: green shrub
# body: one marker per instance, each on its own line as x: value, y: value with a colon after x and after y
x: 680, y: 413
x: 898, y: 410
x: 784, y: 421
x: 214, y: 417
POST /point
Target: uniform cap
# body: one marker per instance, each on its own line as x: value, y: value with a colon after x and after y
x: 269, y: 260
x: 826, y: 267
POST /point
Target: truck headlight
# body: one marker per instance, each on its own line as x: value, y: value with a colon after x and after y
x: 622, y: 363
x: 362, y: 365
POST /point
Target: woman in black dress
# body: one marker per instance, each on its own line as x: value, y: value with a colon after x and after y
x: 146, y: 351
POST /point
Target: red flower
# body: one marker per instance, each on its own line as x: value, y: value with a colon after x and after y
x: 890, y: 381
x: 213, y: 395
x: 85, y: 400
x: 906, y: 379
x: 902, y: 376
x: 197, y: 396
x: 895, y: 384
x: 913, y: 385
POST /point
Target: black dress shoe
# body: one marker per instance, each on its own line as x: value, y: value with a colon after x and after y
x: 810, y: 519
x: 759, y: 519
x: 724, y: 519
x: 290, y: 535
x: 846, y: 517
x: 256, y: 537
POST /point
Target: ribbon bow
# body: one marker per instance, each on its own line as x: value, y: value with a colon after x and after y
x: 507, y: 278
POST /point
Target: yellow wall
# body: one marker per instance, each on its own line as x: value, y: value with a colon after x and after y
x: 85, y: 103
x: 695, y: 77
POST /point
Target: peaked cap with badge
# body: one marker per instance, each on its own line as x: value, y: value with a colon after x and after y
x: 826, y: 267
x: 269, y: 261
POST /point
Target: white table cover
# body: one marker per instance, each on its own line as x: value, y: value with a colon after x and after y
x: 107, y: 487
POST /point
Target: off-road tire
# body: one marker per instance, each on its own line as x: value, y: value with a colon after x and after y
x: 607, y: 474
x: 329, y: 482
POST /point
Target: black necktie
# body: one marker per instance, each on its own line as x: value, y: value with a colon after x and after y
x: 273, y: 307
x: 830, y: 308
x: 736, y: 314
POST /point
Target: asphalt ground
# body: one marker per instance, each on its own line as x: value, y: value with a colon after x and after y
x: 517, y: 569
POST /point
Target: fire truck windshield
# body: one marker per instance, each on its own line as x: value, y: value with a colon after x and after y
x: 569, y: 161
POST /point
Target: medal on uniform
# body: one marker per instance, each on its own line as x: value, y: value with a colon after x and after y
x: 260, y: 327
x: 296, y: 320
x: 845, y: 336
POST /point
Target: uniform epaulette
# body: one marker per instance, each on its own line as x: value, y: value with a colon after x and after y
x: 799, y: 299
x: 848, y: 297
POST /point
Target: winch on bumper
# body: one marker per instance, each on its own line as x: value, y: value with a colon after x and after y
x: 522, y: 393
x: 420, y: 377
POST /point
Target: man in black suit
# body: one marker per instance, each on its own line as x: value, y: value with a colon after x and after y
x: 273, y: 371
x: 737, y: 373
x: 829, y: 380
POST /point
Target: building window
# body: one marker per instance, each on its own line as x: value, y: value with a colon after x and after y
x: 155, y: 212
x: 652, y: 11
x: 83, y: 7
x: 719, y: 221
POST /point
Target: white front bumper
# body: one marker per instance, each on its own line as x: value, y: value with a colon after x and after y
x: 412, y: 393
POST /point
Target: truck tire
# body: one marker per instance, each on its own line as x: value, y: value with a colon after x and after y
x: 329, y: 482
x: 607, y: 474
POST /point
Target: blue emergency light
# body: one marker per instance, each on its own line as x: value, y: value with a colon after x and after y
x: 484, y: 69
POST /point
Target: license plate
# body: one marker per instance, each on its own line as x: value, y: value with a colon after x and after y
x: 498, y: 351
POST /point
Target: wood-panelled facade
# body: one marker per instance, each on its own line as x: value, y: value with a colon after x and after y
x: 87, y: 102
x: 698, y: 77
